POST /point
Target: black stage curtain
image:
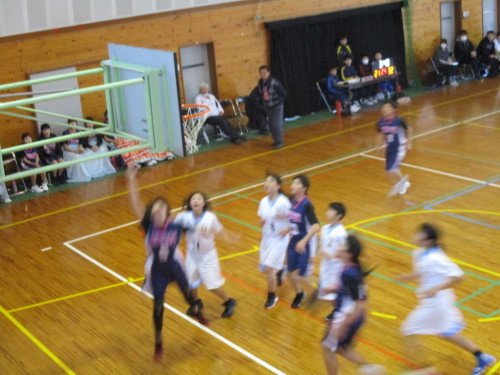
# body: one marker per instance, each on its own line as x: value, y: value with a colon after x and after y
x: 304, y: 49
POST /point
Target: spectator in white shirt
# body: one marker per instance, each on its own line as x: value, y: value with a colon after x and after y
x: 216, y: 115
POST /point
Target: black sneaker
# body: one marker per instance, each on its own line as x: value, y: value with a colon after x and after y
x: 329, y: 317
x: 279, y: 277
x: 297, y: 301
x: 229, y: 310
x: 272, y: 300
x: 195, y: 308
x: 158, y: 356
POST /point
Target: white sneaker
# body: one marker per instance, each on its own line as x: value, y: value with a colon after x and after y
x: 45, y: 187
x: 373, y: 99
x: 6, y: 200
x: 404, y: 187
x: 355, y: 108
x: 356, y: 103
x: 369, y: 102
x: 372, y: 370
x: 36, y: 189
x: 453, y: 83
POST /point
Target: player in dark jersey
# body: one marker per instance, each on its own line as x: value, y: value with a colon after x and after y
x: 349, y: 313
x: 164, y: 261
x: 396, y: 135
x: 303, y: 227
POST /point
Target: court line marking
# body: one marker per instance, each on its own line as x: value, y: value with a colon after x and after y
x: 435, y: 171
x: 374, y: 313
x: 481, y: 126
x: 456, y: 155
x: 47, y: 248
x: 212, y: 333
x: 129, y: 280
x: 262, y: 154
x: 317, y: 166
x: 494, y: 369
x: 488, y: 319
x: 37, y: 342
x: 415, y: 247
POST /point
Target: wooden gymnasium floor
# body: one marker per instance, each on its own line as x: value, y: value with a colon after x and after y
x: 71, y: 309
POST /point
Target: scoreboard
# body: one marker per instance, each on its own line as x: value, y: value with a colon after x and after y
x: 383, y: 68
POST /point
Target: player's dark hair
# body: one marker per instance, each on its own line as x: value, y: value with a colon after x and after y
x: 431, y: 232
x: 463, y: 32
x: 444, y: 41
x: 44, y: 126
x: 304, y: 180
x: 187, y: 202
x: 24, y: 136
x: 70, y: 120
x: 264, y: 67
x: 347, y: 57
x: 365, y: 55
x: 342, y: 37
x: 392, y: 103
x: 149, y: 209
x: 355, y: 248
x: 339, y: 208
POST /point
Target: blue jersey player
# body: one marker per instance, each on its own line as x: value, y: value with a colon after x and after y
x: 303, y: 227
x: 164, y: 263
x: 396, y: 135
x: 349, y: 313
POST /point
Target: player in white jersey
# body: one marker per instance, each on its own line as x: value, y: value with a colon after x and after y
x: 273, y: 213
x: 333, y: 235
x: 202, y: 260
x: 436, y: 313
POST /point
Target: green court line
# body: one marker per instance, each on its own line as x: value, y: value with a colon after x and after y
x: 482, y: 290
x: 472, y: 311
x: 393, y: 280
x: 462, y: 156
x: 238, y: 221
x: 493, y: 314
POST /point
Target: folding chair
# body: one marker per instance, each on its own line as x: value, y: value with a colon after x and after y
x: 10, y: 164
x: 232, y: 114
x: 241, y: 108
x: 464, y: 69
x: 321, y: 86
x: 436, y: 70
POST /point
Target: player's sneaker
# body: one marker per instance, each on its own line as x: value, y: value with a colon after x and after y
x: 36, y: 189
x: 404, y: 187
x: 483, y: 363
x: 395, y: 189
x: 272, y: 300
x: 229, y: 310
x: 329, y: 317
x: 297, y: 301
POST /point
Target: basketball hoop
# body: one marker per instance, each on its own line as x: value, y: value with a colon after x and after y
x: 193, y: 121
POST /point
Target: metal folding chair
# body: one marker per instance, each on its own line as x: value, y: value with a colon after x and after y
x: 10, y: 162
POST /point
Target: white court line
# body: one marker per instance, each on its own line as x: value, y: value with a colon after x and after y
x: 438, y: 172
x: 46, y: 248
x: 229, y: 343
x: 362, y: 153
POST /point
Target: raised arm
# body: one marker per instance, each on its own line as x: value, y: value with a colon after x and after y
x: 135, y: 200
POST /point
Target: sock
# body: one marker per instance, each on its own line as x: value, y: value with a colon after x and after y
x: 271, y: 295
x: 477, y: 353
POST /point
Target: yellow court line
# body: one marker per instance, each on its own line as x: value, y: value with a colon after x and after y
x: 37, y: 342
x: 489, y: 319
x: 481, y: 125
x: 234, y: 162
x: 433, y: 117
x: 415, y: 247
x: 252, y: 250
x: 384, y: 315
x: 494, y: 369
x: 130, y: 280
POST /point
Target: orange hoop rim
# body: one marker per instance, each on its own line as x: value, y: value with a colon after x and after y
x: 187, y: 117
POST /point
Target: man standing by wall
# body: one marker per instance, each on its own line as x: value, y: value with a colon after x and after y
x: 273, y: 95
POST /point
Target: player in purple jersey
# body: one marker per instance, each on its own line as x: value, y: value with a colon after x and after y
x: 396, y: 136
x: 164, y: 261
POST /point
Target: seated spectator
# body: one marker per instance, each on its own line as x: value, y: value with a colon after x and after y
x: 365, y: 70
x: 51, y: 154
x: 339, y: 93
x: 480, y: 69
x: 463, y: 48
x: 348, y: 73
x: 343, y: 50
x: 4, y: 194
x: 216, y: 115
x: 256, y: 112
x: 487, y: 54
x: 385, y: 88
x: 116, y: 160
x: 444, y: 63
x: 93, y: 145
x: 31, y: 160
x: 73, y: 150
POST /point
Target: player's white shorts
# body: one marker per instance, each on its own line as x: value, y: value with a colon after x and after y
x: 434, y: 316
x: 273, y: 252
x: 203, y: 267
x: 330, y: 271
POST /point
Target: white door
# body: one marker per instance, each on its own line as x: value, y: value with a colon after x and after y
x: 448, y: 31
x: 195, y: 70
x: 490, y: 12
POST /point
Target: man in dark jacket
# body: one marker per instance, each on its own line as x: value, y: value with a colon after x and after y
x: 256, y: 112
x: 463, y: 48
x: 486, y: 53
x: 273, y: 95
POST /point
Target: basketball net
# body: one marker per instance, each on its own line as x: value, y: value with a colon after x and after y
x: 193, y: 121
